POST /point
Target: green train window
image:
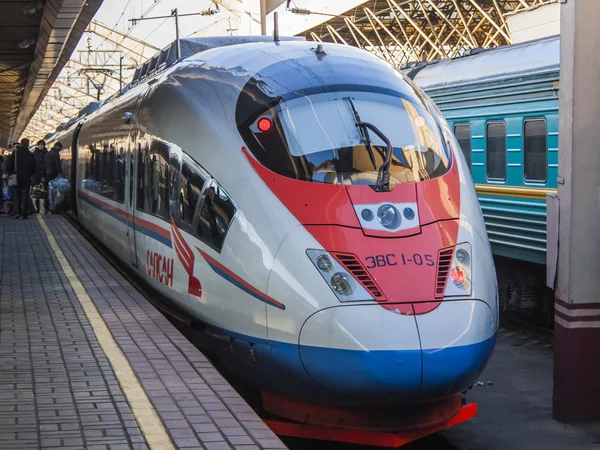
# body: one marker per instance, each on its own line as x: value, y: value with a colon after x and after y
x: 495, y: 154
x: 535, y: 151
x: 462, y: 131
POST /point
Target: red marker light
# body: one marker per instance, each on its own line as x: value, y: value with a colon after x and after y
x: 458, y: 277
x: 265, y: 124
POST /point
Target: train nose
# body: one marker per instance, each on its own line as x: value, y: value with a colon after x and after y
x: 371, y: 353
x: 362, y: 351
x: 457, y: 340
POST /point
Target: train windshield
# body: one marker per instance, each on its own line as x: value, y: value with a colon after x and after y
x: 316, y: 137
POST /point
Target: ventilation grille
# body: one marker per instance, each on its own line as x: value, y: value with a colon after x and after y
x: 444, y: 263
x: 353, y: 265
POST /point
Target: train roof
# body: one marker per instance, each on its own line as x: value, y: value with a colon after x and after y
x: 497, y: 64
x: 166, y: 58
x: 191, y: 46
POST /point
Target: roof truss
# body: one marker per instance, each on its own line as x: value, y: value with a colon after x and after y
x: 90, y: 74
x: 402, y: 31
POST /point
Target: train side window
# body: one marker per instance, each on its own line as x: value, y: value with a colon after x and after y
x: 174, y: 178
x: 97, y: 166
x: 495, y: 154
x: 89, y: 165
x: 462, y: 131
x: 119, y: 177
x: 216, y: 213
x: 95, y: 171
x: 142, y: 177
x: 190, y: 189
x: 65, y: 162
x: 535, y: 151
x: 105, y: 172
x: 157, y: 180
x: 111, y: 158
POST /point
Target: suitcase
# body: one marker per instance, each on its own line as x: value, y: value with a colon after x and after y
x: 7, y: 207
x: 58, y: 195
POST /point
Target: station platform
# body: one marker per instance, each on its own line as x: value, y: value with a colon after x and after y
x: 87, y: 362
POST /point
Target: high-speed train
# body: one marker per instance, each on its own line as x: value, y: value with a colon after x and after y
x: 310, y: 208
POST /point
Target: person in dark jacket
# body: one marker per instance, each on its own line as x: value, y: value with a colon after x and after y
x: 39, y: 153
x: 52, y: 163
x: 6, y: 172
x: 38, y: 177
x: 22, y: 162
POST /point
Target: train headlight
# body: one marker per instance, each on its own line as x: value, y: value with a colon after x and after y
x: 459, y: 283
x: 367, y: 214
x: 342, y: 283
x: 409, y: 213
x: 388, y: 216
x: 324, y: 263
x: 462, y: 257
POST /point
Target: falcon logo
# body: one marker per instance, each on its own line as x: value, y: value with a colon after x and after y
x: 186, y: 257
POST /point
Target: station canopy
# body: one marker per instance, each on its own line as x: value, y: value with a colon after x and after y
x: 404, y: 31
x: 37, y: 40
x: 400, y: 31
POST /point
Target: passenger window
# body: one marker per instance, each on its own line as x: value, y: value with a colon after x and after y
x: 97, y: 164
x: 108, y: 174
x: 90, y: 182
x: 174, y: 174
x: 216, y: 213
x: 189, y: 193
x: 496, y: 151
x: 120, y: 173
x: 535, y: 151
x: 142, y: 178
x: 104, y: 169
x: 132, y: 175
x: 89, y: 165
x: 462, y: 131
x: 157, y: 169
x: 65, y: 161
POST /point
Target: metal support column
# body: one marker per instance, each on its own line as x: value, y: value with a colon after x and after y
x: 577, y: 306
x: 263, y: 17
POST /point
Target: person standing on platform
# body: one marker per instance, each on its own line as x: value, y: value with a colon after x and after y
x: 23, y: 164
x: 38, y: 177
x: 5, y: 173
x: 52, y: 166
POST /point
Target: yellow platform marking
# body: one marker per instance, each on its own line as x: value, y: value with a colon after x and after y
x: 512, y: 191
x: 141, y: 407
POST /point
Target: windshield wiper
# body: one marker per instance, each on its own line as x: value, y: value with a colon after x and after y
x: 363, y: 131
x: 383, y: 174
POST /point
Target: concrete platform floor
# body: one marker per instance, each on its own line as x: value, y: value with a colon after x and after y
x: 86, y: 362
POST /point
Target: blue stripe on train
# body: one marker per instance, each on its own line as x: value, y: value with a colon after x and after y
x: 115, y: 215
x: 368, y: 376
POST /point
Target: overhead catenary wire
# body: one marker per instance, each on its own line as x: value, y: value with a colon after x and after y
x: 146, y: 38
x: 176, y: 15
x: 116, y: 23
x: 150, y: 8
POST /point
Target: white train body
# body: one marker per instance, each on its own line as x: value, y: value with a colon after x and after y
x: 415, y: 321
